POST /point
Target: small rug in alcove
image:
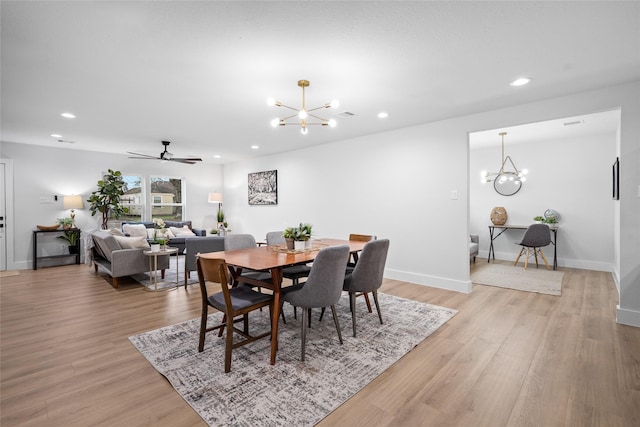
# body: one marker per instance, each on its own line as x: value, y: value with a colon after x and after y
x: 532, y: 279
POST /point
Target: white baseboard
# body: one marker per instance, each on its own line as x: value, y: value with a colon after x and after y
x: 627, y: 317
x: 425, y: 280
x: 562, y: 262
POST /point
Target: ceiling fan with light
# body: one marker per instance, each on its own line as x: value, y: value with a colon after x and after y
x: 166, y: 156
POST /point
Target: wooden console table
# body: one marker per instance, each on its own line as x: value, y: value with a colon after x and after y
x: 493, y: 236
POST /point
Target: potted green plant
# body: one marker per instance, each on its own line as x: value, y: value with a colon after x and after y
x: 538, y: 219
x: 289, y: 235
x: 551, y: 221
x: 71, y: 237
x: 106, y: 199
x: 66, y: 223
x: 305, y: 234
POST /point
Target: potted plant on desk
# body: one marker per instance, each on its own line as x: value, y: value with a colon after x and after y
x: 66, y: 223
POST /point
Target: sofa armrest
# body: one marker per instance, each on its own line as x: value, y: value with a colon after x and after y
x: 199, y: 232
x: 474, y: 238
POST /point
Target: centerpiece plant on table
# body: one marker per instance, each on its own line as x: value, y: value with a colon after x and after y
x: 159, y: 233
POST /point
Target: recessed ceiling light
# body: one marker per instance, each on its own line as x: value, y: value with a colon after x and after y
x: 216, y: 156
x: 383, y: 115
x: 68, y: 115
x: 521, y: 81
x: 254, y: 147
x: 55, y: 135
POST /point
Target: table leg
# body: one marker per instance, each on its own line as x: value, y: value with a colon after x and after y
x: 276, y: 278
x: 491, y: 250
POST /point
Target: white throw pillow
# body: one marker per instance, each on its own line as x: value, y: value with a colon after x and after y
x: 182, y: 232
x: 135, y: 230
x: 132, y: 242
x: 116, y: 232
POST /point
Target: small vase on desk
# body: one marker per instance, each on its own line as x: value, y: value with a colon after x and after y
x: 299, y: 245
x: 155, y: 247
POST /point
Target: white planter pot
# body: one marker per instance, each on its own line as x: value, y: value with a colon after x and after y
x: 155, y: 247
x: 299, y: 245
x: 307, y: 244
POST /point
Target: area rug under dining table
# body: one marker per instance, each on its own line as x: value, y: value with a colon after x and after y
x: 291, y: 392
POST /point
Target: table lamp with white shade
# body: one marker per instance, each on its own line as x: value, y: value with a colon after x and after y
x: 73, y: 203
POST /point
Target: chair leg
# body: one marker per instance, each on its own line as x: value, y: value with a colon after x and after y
x: 203, y: 330
x: 519, y: 255
x: 304, y: 333
x: 526, y: 260
x: 535, y: 255
x: 375, y: 299
x: 245, y: 321
x: 352, y: 304
x: 544, y: 259
x: 228, y: 345
x: 366, y: 298
x: 335, y: 320
x: 321, y: 314
x: 309, y: 317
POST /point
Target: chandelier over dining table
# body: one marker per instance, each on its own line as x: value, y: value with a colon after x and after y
x: 303, y: 116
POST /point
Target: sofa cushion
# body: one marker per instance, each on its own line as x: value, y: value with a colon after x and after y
x: 106, y: 243
x: 182, y: 232
x: 135, y: 230
x: 139, y: 242
x: 178, y: 224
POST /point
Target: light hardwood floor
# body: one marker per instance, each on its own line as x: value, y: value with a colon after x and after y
x: 508, y: 358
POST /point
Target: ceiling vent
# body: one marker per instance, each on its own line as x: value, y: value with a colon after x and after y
x: 344, y: 115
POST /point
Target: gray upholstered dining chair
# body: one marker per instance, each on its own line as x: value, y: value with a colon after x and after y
x: 233, y: 302
x: 295, y: 272
x: 535, y: 238
x: 244, y: 241
x: 367, y: 275
x: 322, y: 288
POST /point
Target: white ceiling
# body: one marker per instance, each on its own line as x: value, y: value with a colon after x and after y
x: 198, y: 73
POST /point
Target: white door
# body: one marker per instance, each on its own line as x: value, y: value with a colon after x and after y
x: 3, y: 213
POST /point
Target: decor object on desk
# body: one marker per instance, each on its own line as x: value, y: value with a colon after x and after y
x: 73, y: 203
x: 498, y: 216
x: 538, y: 219
x: 263, y: 188
x: 166, y: 156
x: 551, y: 214
x: 48, y: 227
x: 303, y: 114
x: 505, y: 182
x: 281, y: 393
x: 106, y: 199
x: 66, y: 223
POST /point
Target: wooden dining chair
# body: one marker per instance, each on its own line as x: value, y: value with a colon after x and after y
x: 367, y: 275
x: 322, y: 289
x: 236, y: 303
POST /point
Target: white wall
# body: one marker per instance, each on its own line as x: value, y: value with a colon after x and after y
x: 571, y: 176
x: 41, y: 171
x: 398, y: 185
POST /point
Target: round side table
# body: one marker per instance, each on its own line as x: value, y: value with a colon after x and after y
x: 153, y: 265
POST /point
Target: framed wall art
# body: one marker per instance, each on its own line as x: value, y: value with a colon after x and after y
x: 263, y: 188
x: 616, y: 179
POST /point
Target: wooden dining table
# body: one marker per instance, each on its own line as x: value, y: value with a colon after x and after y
x: 274, y: 259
